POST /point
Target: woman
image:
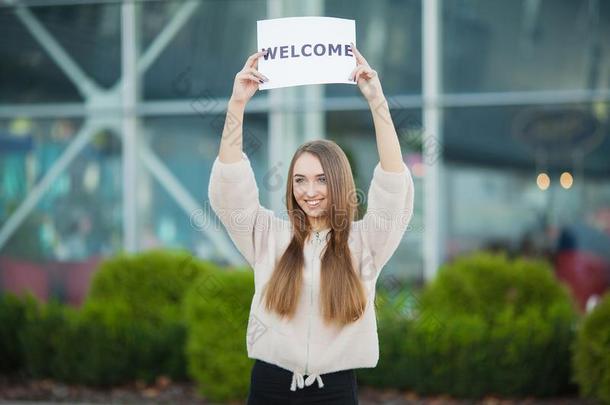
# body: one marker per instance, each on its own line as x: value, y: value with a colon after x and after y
x: 312, y: 318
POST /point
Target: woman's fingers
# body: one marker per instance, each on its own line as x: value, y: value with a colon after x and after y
x: 360, y: 73
x: 362, y: 70
x: 371, y: 73
x: 354, y: 73
x: 249, y: 76
x: 257, y: 74
x: 253, y: 59
x: 358, y: 55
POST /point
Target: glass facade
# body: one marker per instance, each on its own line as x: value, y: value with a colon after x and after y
x: 524, y: 91
x: 506, y: 46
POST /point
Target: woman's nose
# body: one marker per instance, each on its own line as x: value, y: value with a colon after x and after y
x: 312, y: 190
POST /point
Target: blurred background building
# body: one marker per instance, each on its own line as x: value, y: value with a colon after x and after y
x: 111, y: 114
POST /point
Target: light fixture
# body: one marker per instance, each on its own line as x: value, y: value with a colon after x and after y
x: 566, y: 180
x: 543, y: 181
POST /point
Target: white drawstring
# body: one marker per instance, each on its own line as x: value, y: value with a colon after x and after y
x: 298, y: 381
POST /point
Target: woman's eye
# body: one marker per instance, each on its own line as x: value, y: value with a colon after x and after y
x: 322, y: 179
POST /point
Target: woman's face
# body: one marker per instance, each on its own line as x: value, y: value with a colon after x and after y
x: 309, y: 185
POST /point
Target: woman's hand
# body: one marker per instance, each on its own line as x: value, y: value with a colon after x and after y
x: 366, y: 78
x: 247, y: 80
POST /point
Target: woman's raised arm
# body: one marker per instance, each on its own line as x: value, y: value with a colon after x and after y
x: 232, y: 190
x: 391, y: 193
x: 245, y: 85
x: 388, y: 146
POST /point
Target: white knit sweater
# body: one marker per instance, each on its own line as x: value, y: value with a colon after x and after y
x: 305, y: 345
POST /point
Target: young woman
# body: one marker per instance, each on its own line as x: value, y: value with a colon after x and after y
x: 312, y: 318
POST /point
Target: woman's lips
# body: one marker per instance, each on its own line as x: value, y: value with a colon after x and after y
x: 313, y: 203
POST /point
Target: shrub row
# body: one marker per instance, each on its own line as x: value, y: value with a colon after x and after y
x: 486, y: 325
x: 130, y: 327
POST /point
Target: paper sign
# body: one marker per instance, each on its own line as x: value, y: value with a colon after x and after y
x: 306, y: 50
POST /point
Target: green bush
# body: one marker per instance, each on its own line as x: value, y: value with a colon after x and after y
x: 13, y: 316
x: 130, y: 326
x: 151, y: 284
x: 591, y: 358
x: 486, y: 325
x: 90, y: 350
x: 41, y: 335
x: 98, y: 347
x: 486, y: 284
x: 63, y: 343
x: 138, y: 300
x: 217, y: 309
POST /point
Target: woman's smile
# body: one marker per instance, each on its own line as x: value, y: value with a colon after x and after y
x: 314, y: 203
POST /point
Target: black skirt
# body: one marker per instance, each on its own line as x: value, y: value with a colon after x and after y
x: 270, y: 385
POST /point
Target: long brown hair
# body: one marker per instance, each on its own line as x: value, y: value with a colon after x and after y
x: 342, y: 295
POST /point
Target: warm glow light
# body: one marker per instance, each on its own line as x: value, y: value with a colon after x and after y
x: 543, y: 181
x: 566, y: 180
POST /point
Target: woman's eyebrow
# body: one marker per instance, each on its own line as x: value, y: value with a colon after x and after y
x: 317, y: 175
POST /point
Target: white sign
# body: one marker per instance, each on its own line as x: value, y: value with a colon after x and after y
x: 306, y: 50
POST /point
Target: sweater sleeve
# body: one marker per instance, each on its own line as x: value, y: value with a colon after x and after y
x: 233, y: 196
x: 389, y: 211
